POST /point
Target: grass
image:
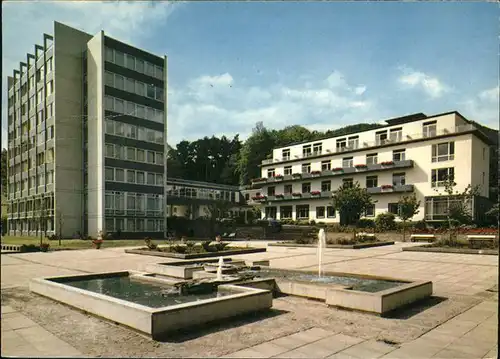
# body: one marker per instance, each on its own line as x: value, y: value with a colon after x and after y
x: 75, y: 243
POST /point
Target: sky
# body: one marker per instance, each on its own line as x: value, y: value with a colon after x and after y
x: 323, y: 65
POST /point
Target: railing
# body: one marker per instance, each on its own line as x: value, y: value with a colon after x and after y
x: 378, y: 142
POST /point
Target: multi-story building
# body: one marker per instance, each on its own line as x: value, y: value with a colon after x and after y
x: 86, y: 137
x: 415, y: 153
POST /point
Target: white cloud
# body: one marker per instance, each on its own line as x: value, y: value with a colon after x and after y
x: 483, y: 107
x: 360, y: 90
x: 197, y: 110
x: 416, y: 79
x: 25, y: 22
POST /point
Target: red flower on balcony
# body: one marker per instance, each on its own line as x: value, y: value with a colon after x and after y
x: 296, y: 174
x: 387, y: 163
x: 259, y: 179
x: 387, y: 186
x: 315, y: 193
x: 279, y: 195
x: 297, y: 194
x: 316, y: 172
x: 278, y: 177
x: 337, y: 169
x: 259, y: 198
x: 360, y: 166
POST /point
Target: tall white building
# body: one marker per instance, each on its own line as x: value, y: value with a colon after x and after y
x: 414, y: 153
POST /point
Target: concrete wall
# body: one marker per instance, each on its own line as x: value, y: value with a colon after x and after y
x: 69, y: 45
x: 480, y: 165
x: 95, y: 128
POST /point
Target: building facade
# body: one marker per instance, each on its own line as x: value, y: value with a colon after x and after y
x: 87, y: 127
x: 411, y: 154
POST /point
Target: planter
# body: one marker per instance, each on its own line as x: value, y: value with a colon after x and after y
x: 345, y: 246
x: 424, y: 248
x: 195, y: 255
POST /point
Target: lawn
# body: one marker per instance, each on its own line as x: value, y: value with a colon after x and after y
x: 75, y: 243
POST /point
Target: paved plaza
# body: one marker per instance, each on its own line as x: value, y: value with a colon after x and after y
x: 460, y: 321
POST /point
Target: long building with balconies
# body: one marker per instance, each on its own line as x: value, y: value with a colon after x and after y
x: 410, y: 154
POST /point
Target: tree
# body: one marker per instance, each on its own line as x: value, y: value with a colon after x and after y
x: 216, y: 211
x: 408, y: 207
x: 493, y: 212
x: 351, y: 201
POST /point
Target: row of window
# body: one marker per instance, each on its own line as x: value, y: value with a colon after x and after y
x: 32, y: 182
x: 134, y: 225
x: 32, y: 205
x: 322, y: 212
x: 32, y: 225
x: 133, y: 86
x: 34, y: 121
x: 382, y: 137
x: 140, y: 202
x: 113, y: 174
x: 140, y: 133
x: 440, y: 152
x: 132, y: 109
x: 34, y: 161
x: 200, y: 193
x: 398, y: 179
x: 133, y: 154
x: 133, y: 63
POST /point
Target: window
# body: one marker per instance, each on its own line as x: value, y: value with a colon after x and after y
x: 151, y: 157
x: 159, y: 94
x: 330, y: 212
x: 109, y: 174
x: 150, y: 69
x: 398, y: 155
x: 119, y: 82
x: 444, y: 152
x: 396, y: 134
x: 302, y: 211
x: 109, y: 79
x: 353, y: 142
x: 429, y: 129
x: 286, y: 212
x: 288, y: 189
x: 347, y: 162
x: 317, y: 148
x: 288, y: 170
x: 139, y: 65
x: 347, y: 182
x: 159, y: 72
x: 50, y: 87
x: 130, y: 85
x: 441, y: 175
x: 119, y: 106
x: 109, y: 103
x: 341, y: 144
x: 326, y: 165
x: 150, y: 134
x: 119, y: 128
x: 140, y: 177
x: 131, y: 153
x: 119, y: 58
x: 306, y: 187
x: 119, y: 175
x: 285, y: 154
x: 399, y: 179
x: 109, y: 54
x: 372, y: 159
x: 306, y: 150
x: 326, y: 186
x: 271, y: 191
x: 159, y: 179
x: 110, y: 224
x: 140, y: 155
x: 270, y: 172
x: 151, y: 179
x: 159, y: 158
x: 150, y: 91
x: 130, y: 109
x: 393, y: 208
x: 381, y: 137
x: 306, y: 168
x: 141, y: 111
x: 130, y: 62
x: 370, y: 211
x: 371, y: 181
x: 140, y: 88
x: 320, y: 212
x: 483, y: 177
x: 130, y: 176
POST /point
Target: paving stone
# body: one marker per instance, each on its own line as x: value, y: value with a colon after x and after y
x: 269, y: 349
x: 7, y: 309
x: 246, y: 353
x: 361, y: 351
x: 342, y: 356
x: 452, y: 354
x: 493, y: 353
x: 474, y: 350
x: 295, y: 353
x: 19, y: 322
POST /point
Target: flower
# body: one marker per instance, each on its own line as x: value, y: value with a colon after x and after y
x: 316, y: 172
x: 337, y: 169
x: 315, y: 193
x: 387, y: 163
x: 361, y: 165
x: 386, y: 186
x: 297, y: 194
x: 278, y: 176
x: 259, y: 198
x: 279, y: 195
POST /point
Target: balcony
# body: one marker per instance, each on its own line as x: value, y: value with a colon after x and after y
x: 391, y: 189
x: 299, y: 196
x: 376, y: 143
x: 336, y: 172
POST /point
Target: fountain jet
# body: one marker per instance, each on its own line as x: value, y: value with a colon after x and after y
x: 219, y: 268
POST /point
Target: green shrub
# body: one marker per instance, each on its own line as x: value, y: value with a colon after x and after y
x: 385, y: 222
x: 305, y: 240
x: 312, y: 222
x: 366, y: 223
x: 178, y: 249
x: 220, y: 246
x: 364, y: 239
x: 303, y: 222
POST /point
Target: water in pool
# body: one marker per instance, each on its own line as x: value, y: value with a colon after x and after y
x: 144, y: 293
x: 360, y: 284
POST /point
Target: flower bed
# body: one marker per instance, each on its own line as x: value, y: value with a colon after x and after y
x: 316, y: 173
x: 360, y: 166
x: 315, y: 193
x: 387, y: 163
x: 259, y: 198
x: 337, y: 169
x: 387, y: 186
x: 296, y: 194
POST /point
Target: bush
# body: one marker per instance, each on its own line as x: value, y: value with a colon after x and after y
x: 305, y: 240
x: 220, y: 246
x: 364, y: 239
x: 303, y: 222
x: 27, y: 248
x: 312, y: 222
x: 178, y: 248
x: 366, y: 223
x: 385, y: 221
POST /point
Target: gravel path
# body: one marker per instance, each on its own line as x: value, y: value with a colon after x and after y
x: 99, y: 338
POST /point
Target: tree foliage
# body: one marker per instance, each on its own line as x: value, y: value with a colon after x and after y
x: 408, y: 207
x: 351, y: 201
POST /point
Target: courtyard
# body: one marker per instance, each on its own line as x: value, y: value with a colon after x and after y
x: 460, y: 320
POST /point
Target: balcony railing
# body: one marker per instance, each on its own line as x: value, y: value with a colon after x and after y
x: 336, y: 172
x: 376, y: 143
